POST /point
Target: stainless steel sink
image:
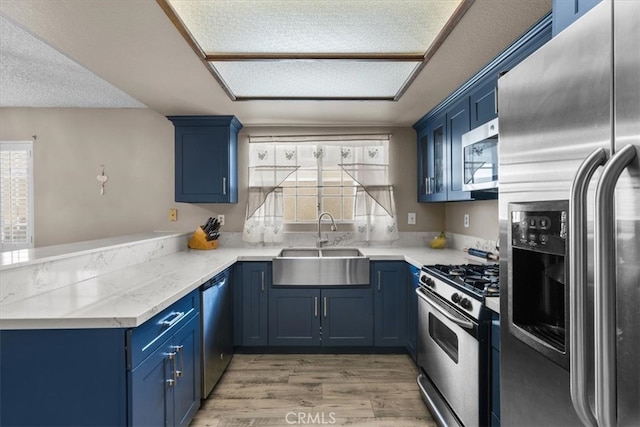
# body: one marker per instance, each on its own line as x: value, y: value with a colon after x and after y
x: 340, y: 252
x: 299, y: 253
x: 320, y: 267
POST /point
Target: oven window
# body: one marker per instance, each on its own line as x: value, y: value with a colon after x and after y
x: 444, y: 337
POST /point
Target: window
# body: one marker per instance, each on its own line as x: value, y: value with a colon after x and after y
x: 321, y: 175
x: 311, y: 190
x: 292, y: 179
x: 16, y: 190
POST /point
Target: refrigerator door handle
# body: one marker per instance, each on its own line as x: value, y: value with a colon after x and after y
x: 578, y: 285
x: 605, y: 324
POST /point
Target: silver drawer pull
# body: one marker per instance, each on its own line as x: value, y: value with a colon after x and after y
x: 168, y: 323
x: 179, y: 350
x: 172, y: 381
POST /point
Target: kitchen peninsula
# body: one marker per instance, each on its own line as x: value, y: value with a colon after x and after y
x: 77, y: 322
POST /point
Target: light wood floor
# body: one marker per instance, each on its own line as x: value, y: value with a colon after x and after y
x: 286, y: 390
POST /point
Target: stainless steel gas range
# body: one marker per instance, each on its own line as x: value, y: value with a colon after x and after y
x: 453, y: 341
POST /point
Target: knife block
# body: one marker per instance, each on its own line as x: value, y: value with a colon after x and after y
x: 199, y: 241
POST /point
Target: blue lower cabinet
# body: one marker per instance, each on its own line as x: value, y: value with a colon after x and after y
x: 390, y: 299
x: 347, y: 317
x: 63, y: 377
x: 152, y: 395
x: 320, y: 317
x: 104, y: 377
x: 186, y: 389
x: 165, y: 386
x: 294, y: 317
x: 413, y: 283
x: 495, y: 372
x: 255, y: 281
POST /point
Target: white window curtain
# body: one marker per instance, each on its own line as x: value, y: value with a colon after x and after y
x: 364, y: 157
x: 374, y: 223
x: 264, y: 225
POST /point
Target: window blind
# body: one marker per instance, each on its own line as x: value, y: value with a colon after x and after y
x: 16, y: 192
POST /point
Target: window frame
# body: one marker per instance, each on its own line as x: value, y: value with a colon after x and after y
x: 27, y: 146
x: 320, y: 185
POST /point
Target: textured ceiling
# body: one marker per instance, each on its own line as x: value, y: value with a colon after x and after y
x: 133, y: 45
x: 32, y: 74
x: 315, y: 26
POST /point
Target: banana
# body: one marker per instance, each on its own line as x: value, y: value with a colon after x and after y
x: 439, y: 242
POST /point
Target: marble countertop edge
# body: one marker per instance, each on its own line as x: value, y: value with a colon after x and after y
x: 116, y: 300
x: 24, y: 257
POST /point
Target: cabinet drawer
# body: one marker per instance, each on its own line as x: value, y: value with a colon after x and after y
x: 143, y: 340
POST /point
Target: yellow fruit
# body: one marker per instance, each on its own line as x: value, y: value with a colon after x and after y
x: 439, y: 242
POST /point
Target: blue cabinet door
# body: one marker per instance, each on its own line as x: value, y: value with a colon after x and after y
x: 186, y: 398
x: 256, y: 280
x: 206, y: 158
x: 432, y: 161
x: 294, y: 317
x: 413, y: 283
x: 347, y: 317
x: 151, y: 385
x: 483, y: 101
x: 390, y: 300
x: 458, y: 122
x: 165, y: 387
x: 565, y: 12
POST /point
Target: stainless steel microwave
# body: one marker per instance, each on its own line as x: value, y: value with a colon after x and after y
x: 480, y: 157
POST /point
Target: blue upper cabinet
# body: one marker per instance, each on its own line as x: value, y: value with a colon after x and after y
x: 439, y: 132
x: 565, y: 12
x: 483, y: 101
x: 458, y: 118
x: 432, y: 161
x: 206, y: 150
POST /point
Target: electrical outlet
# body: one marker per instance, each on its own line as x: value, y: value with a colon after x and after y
x: 173, y: 214
x: 466, y: 220
x: 221, y: 219
x: 411, y: 218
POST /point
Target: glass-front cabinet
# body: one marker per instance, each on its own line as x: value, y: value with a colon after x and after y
x: 432, y: 152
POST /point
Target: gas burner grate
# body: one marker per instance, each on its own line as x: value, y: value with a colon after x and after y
x: 480, y: 279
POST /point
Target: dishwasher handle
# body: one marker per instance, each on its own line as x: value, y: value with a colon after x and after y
x: 217, y: 280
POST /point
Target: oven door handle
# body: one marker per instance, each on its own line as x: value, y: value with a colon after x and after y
x: 460, y: 322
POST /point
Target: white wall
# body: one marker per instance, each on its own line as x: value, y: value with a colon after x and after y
x: 136, y: 147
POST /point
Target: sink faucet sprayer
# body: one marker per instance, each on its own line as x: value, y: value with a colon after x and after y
x: 333, y: 228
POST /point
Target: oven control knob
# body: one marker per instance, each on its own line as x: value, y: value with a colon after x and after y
x: 455, y: 298
x: 428, y: 281
x: 466, y: 304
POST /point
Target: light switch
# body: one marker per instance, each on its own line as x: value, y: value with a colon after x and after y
x: 173, y: 214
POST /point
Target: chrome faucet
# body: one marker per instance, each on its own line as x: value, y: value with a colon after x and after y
x: 333, y: 228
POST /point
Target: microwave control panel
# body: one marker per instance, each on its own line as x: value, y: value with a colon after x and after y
x: 538, y: 230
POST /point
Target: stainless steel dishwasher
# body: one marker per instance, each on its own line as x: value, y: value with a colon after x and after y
x: 217, y: 329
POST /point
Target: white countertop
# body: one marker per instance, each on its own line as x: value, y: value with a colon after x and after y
x: 19, y: 258
x: 130, y: 296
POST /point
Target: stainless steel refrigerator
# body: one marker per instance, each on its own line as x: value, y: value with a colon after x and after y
x: 569, y: 199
